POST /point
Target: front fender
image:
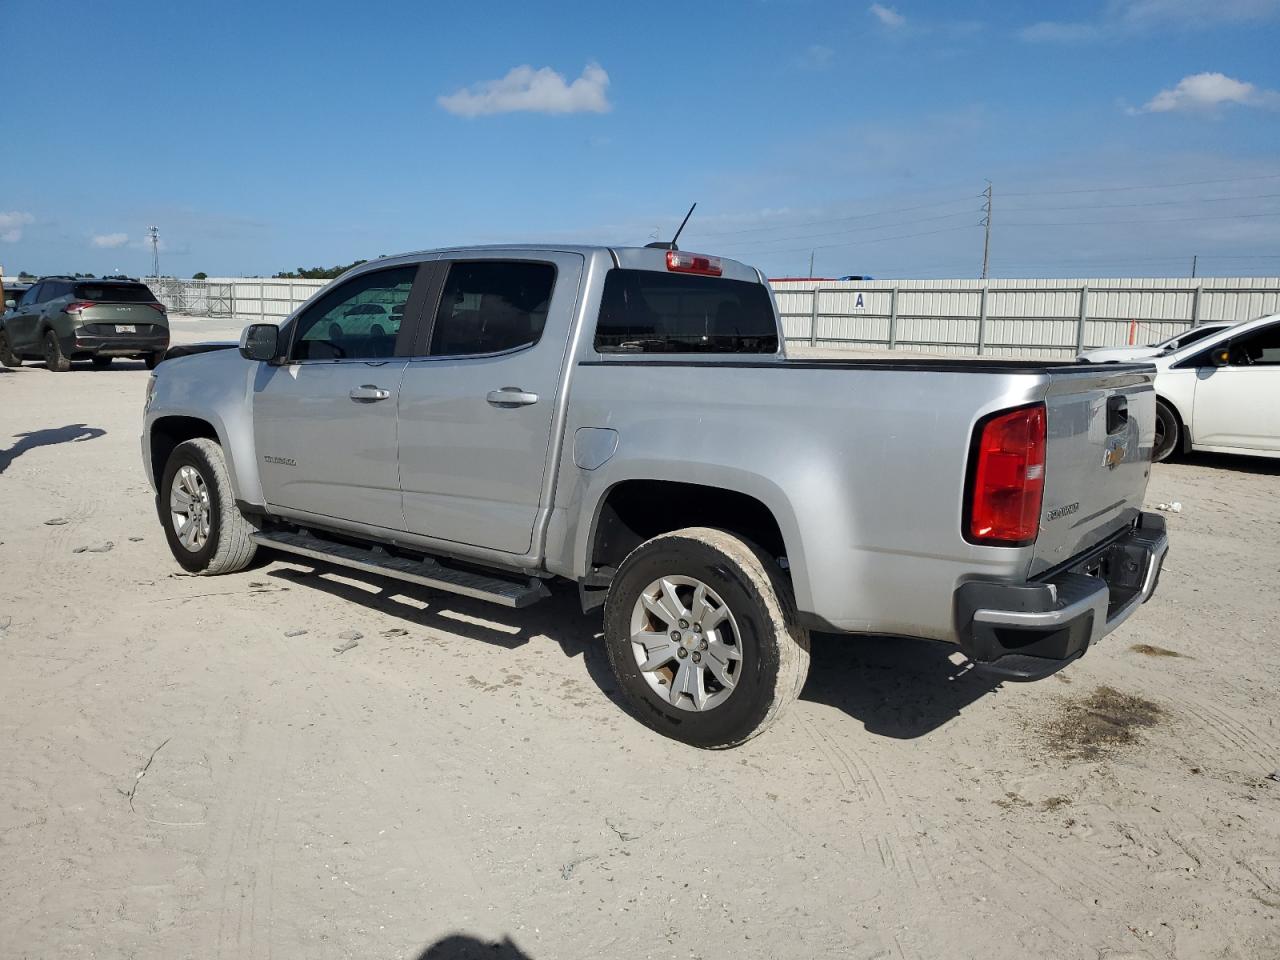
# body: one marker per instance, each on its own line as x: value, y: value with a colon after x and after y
x: 216, y: 388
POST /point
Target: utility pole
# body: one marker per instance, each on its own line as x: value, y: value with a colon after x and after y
x: 153, y: 233
x: 811, y: 264
x: 986, y: 223
x: 1194, y: 258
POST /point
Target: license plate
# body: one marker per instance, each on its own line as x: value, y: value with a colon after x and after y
x: 126, y: 328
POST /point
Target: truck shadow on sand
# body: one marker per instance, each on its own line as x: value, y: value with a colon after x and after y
x: 47, y: 438
x: 460, y: 946
x: 895, y: 686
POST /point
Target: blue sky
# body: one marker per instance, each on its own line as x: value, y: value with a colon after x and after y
x: 1121, y: 137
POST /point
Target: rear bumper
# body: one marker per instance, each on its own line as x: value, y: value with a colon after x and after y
x: 124, y: 345
x: 1030, y: 630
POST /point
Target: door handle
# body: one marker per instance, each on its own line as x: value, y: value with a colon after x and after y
x: 368, y: 394
x: 511, y: 397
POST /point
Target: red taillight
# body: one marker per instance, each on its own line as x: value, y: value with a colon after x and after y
x: 78, y: 305
x: 680, y: 262
x: 157, y: 306
x: 1008, y: 478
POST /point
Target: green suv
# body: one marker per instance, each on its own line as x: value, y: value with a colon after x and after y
x: 61, y: 319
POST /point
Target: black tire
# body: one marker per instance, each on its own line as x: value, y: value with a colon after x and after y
x: 100, y: 363
x: 53, y: 357
x: 1168, y: 432
x: 152, y: 360
x: 772, y: 645
x: 7, y: 356
x: 228, y: 546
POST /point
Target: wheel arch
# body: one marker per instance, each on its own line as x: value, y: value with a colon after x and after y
x: 634, y: 509
x: 166, y: 432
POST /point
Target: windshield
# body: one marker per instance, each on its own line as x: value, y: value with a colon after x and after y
x: 644, y: 311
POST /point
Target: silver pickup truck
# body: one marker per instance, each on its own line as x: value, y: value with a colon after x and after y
x: 483, y: 420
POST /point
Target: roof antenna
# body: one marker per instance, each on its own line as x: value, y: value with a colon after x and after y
x: 659, y: 245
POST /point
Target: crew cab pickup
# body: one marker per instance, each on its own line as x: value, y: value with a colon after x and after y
x: 628, y: 419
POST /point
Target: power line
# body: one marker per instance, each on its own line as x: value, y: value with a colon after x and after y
x: 1150, y: 203
x: 1095, y: 223
x: 841, y: 233
x: 817, y: 223
x: 855, y: 243
x: 1144, y: 186
x: 945, y: 203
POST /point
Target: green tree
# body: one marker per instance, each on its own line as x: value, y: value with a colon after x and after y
x: 317, y: 273
x: 200, y: 276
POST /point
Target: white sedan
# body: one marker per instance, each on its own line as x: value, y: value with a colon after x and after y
x: 1176, y: 342
x: 1221, y: 393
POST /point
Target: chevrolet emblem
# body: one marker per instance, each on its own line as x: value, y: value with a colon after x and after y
x: 1114, y: 454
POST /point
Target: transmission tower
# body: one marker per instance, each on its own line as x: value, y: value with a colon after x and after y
x: 986, y: 223
x: 153, y: 234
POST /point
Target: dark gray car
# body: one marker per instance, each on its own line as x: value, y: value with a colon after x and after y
x: 63, y: 319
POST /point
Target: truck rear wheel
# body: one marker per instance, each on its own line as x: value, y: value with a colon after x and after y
x: 703, y: 636
x: 206, y: 531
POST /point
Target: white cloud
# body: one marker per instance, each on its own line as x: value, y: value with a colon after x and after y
x: 533, y: 91
x: 1052, y: 31
x: 11, y: 225
x: 818, y: 57
x: 1122, y: 18
x: 110, y: 241
x: 886, y: 15
x: 1204, y: 91
x: 1194, y: 12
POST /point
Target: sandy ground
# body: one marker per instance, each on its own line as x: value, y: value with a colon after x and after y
x: 179, y: 777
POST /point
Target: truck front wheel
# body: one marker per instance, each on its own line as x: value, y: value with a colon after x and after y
x: 206, y: 531
x: 703, y: 637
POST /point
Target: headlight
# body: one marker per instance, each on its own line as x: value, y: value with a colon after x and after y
x: 151, y: 391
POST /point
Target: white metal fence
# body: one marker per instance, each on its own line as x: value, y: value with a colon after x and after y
x: 246, y: 298
x: 1032, y: 318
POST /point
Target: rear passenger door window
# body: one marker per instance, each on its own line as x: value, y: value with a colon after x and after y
x: 491, y: 306
x: 359, y: 320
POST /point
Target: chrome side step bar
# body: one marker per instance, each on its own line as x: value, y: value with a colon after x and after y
x: 426, y: 573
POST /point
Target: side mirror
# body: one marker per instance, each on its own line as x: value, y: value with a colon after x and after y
x: 1221, y: 356
x: 260, y: 341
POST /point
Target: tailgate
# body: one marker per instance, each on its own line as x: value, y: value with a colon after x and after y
x: 1101, y: 425
x: 139, y: 315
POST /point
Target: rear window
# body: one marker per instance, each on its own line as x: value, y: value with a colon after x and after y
x: 1191, y: 336
x: 115, y: 292
x: 644, y: 311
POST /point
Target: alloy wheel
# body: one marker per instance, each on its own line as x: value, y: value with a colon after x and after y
x: 686, y: 643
